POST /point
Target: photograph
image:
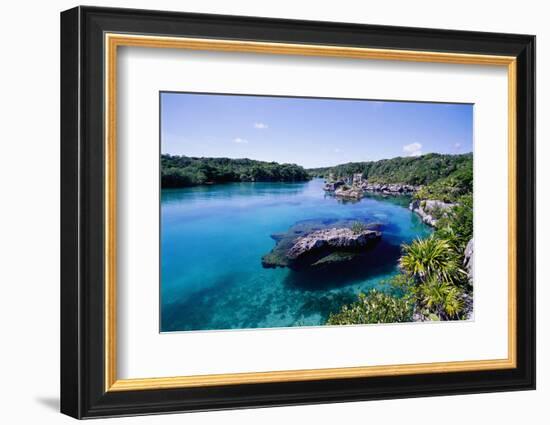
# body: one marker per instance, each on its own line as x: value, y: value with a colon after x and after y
x: 282, y: 210
x: 279, y: 211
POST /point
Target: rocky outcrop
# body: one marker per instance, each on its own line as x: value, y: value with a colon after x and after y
x: 358, y: 187
x: 468, y: 296
x: 347, y: 192
x: 430, y: 210
x: 469, y: 261
x: 332, y: 186
x: 390, y: 189
x: 315, y: 243
x: 343, y: 239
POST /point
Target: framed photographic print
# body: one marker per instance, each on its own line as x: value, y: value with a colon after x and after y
x: 261, y: 212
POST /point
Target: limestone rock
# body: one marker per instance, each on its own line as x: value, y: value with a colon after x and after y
x: 430, y: 210
x: 332, y: 239
x: 321, y: 243
x: 469, y: 260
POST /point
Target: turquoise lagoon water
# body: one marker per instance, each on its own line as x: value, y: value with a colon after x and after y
x: 213, y: 238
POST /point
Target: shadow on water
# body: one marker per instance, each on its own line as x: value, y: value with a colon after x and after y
x: 379, y: 261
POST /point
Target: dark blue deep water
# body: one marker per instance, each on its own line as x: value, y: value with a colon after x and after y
x: 213, y: 238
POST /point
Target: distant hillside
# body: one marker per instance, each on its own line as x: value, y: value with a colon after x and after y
x: 443, y: 177
x: 184, y: 171
x: 419, y: 170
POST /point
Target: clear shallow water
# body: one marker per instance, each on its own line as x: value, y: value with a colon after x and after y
x: 213, y: 238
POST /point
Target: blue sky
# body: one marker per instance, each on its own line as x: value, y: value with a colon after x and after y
x: 310, y: 132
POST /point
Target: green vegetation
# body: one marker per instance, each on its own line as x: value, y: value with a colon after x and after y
x: 439, y: 300
x: 183, y: 171
x: 436, y: 280
x: 429, y: 259
x: 374, y: 307
x: 451, y: 188
x: 443, y: 177
x: 419, y: 170
x: 457, y: 226
x: 432, y: 281
x: 358, y: 227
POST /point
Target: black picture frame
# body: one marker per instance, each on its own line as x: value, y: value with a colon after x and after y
x: 83, y: 392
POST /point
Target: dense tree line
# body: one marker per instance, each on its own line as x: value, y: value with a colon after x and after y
x: 420, y: 170
x: 184, y: 171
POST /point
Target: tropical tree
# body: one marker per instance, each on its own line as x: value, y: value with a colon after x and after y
x: 460, y: 220
x: 440, y: 298
x: 430, y: 258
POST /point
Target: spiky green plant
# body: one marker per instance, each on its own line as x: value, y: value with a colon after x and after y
x: 441, y: 298
x: 431, y: 258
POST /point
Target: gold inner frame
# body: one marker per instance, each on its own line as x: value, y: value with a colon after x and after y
x: 113, y: 41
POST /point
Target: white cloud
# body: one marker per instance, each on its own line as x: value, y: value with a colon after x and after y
x: 337, y: 150
x: 457, y: 145
x: 413, y: 149
x: 260, y: 125
x: 240, y: 141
